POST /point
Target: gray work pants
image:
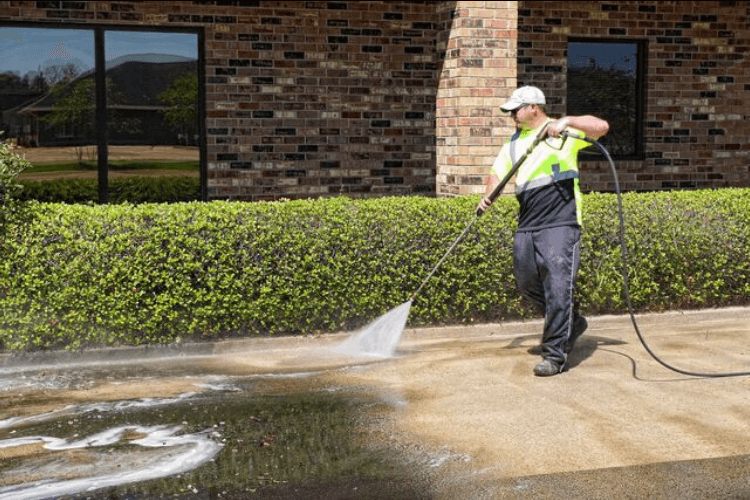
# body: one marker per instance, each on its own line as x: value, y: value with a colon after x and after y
x: 545, y: 263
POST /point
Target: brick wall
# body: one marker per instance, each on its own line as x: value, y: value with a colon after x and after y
x: 698, y: 84
x: 319, y: 98
x: 303, y: 98
x: 322, y: 98
x: 478, y: 75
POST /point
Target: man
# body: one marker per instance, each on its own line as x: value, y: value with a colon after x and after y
x: 546, y: 247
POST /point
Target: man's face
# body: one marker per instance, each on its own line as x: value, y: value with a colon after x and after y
x: 522, y: 115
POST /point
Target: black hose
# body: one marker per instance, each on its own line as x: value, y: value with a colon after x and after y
x: 625, y: 279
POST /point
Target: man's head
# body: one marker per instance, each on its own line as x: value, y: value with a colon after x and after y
x: 524, y: 95
x: 527, y: 106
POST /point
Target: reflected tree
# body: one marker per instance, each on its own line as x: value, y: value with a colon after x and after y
x: 182, y: 102
x: 52, y: 74
x: 75, y: 107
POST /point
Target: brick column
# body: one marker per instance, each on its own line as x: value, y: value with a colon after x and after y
x: 478, y: 75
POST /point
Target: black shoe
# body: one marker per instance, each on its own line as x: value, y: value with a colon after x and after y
x: 579, y: 326
x: 547, y: 368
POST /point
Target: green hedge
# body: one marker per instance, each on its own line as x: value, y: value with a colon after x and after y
x: 76, y: 275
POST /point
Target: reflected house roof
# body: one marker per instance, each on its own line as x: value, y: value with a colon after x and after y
x: 135, y: 82
x: 11, y: 101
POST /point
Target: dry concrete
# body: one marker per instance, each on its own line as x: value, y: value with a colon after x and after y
x: 617, y: 424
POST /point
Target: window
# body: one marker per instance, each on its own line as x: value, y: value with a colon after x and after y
x: 149, y: 139
x: 606, y: 79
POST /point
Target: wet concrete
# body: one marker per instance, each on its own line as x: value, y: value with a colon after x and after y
x: 461, y: 405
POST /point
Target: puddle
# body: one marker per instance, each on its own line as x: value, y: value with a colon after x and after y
x: 176, y: 431
x: 161, y: 451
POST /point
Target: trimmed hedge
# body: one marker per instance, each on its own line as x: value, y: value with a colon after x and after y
x: 74, y: 275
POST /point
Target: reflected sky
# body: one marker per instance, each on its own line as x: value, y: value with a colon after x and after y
x: 622, y: 56
x: 27, y: 49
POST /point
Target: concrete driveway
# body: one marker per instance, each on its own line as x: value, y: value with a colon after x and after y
x: 616, y: 425
x: 464, y: 399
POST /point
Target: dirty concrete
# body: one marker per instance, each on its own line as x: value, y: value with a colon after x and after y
x: 464, y: 400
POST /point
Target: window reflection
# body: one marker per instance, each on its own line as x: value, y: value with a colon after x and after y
x: 152, y: 121
x: 48, y: 109
x: 47, y: 100
x: 605, y: 79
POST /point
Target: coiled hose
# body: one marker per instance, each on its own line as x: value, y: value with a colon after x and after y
x: 625, y: 279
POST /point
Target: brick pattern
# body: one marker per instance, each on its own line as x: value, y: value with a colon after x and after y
x: 478, y: 75
x: 303, y: 98
x: 698, y: 85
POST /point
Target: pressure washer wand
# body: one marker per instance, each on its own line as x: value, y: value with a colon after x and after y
x: 440, y: 262
x: 492, y: 197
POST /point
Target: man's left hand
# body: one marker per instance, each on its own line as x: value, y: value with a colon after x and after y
x: 555, y: 128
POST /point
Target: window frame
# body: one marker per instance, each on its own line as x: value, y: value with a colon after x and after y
x: 99, y: 31
x: 640, y: 92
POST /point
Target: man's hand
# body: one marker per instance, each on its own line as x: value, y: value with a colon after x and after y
x: 592, y: 126
x: 484, y: 204
x: 555, y: 128
x: 491, y: 183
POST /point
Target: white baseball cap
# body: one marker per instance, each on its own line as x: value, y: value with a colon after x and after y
x: 524, y: 95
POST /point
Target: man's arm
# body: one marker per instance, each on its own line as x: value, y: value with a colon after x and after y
x: 592, y: 126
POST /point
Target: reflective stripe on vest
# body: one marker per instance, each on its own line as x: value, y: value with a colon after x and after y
x: 551, y: 179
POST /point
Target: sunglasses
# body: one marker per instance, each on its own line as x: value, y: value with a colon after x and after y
x: 519, y: 108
